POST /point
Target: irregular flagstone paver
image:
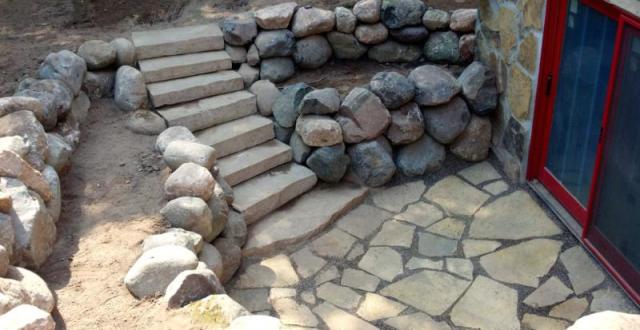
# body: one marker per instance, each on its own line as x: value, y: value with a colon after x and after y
x: 429, y: 291
x: 422, y: 263
x: 363, y: 220
x: 473, y: 247
x: 254, y: 300
x: 327, y: 275
x: 524, y: 263
x: 550, y: 292
x: 394, y: 233
x: 376, y: 307
x: 336, y: 319
x: 334, y: 243
x: 487, y: 305
x: 273, y: 272
x: 436, y: 246
x: 583, y: 273
x: 396, y: 198
x: 307, y: 264
x: 537, y: 322
x: 496, y: 188
x: 382, y: 262
x: 355, y: 252
x: 279, y: 293
x: 416, y: 321
x: 571, y: 309
x: 421, y: 214
x: 515, y: 216
x: 480, y: 173
x: 449, y: 227
x: 610, y: 300
x: 339, y: 295
x: 309, y: 297
x: 461, y: 267
x: 290, y: 312
x: 360, y: 280
x: 456, y: 196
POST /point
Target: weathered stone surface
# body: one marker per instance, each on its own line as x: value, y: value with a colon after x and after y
x: 65, y: 66
x: 515, y: 216
x: 212, y: 259
x: 329, y: 163
x: 334, y: 243
x: 235, y: 229
x: 394, y: 233
x: 449, y: 227
x: 266, y: 94
x: 253, y: 55
x: 571, y: 309
x: 496, y: 188
x: 220, y: 211
x: 372, y: 34
x: 450, y: 190
x: 26, y: 317
x: 463, y: 20
x: 200, y: 313
x: 327, y: 275
x: 238, y: 54
x: 249, y: 74
x: 460, y: 267
x: 79, y: 109
x: 345, y: 20
x: 375, y: 307
x: 394, y: 52
x: 275, y: 17
x: 367, y: 11
x: 359, y: 280
x: 310, y: 21
x: 312, y: 52
x: 335, y: 318
x: 434, y: 85
x: 473, y: 248
x: 307, y: 264
x: 13, y: 166
x: 475, y: 310
x: 190, y: 213
x: 24, y: 124
x: 54, y: 205
x: 421, y: 214
x: 146, y: 122
x: 339, y: 295
x: 480, y: 173
x: 399, y: 13
x: 97, y: 54
x: 255, y: 322
x: 607, y: 319
x: 467, y: 47
x: 424, y: 155
x: 371, y: 163
x: 130, y: 92
x: 283, y: 134
x: 155, y: 269
x: 549, y: 293
x: 362, y: 116
x: 299, y: 149
x: 446, y: 122
x: 443, y: 47
x: 292, y: 313
x: 4, y: 261
x: 320, y: 102
x: 535, y: 322
x: 356, y: 252
x: 239, y: 30
x: 174, y: 236
x: 583, y: 273
x: 346, y: 46
x: 171, y: 134
x: 472, y: 79
x: 318, y: 131
x: 275, y: 272
x: 190, y: 286
x: 363, y: 221
x: 474, y: 142
x: 7, y: 232
x: 611, y: 299
x: 407, y: 125
x: 393, y: 89
x: 519, y: 92
x: 506, y: 264
x: 125, y: 51
x: 254, y: 300
x: 231, y: 258
x: 375, y: 257
x: 416, y: 321
x: 27, y: 288
x: 410, y: 34
x: 287, y: 106
x: 189, y: 180
x: 182, y: 152
x: 424, y: 263
x: 54, y: 95
x: 436, y: 19
x: 435, y: 246
x: 13, y: 104
x: 275, y: 43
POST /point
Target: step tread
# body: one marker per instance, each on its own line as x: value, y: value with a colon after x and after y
x: 186, y: 65
x: 265, y: 193
x: 237, y: 135
x: 303, y: 218
x: 175, y: 41
x: 252, y: 162
x: 210, y: 111
x: 195, y: 87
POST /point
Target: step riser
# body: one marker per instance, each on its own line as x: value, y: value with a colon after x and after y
x: 163, y: 69
x: 211, y: 111
x: 158, y: 43
x: 241, y: 167
x: 193, y: 88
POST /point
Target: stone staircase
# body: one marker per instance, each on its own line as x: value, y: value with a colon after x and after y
x: 191, y: 83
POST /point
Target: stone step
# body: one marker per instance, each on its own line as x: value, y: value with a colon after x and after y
x: 187, y: 65
x: 303, y: 218
x: 211, y: 111
x: 237, y: 135
x: 252, y: 162
x: 193, y: 88
x: 176, y: 41
x: 267, y: 192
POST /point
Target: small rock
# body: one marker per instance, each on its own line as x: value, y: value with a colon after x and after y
x: 392, y: 88
x: 443, y: 47
x: 65, y: 66
x: 54, y: 205
x: 362, y: 116
x: 423, y: 156
x: 181, y: 152
x: 190, y: 180
x: 446, y: 122
x: 472, y: 79
x: 266, y: 94
x: 146, y: 122
x: 400, y: 13
x: 372, y: 34
x: 474, y: 142
x: 212, y: 258
x: 231, y: 258
x: 394, y: 52
x: 434, y: 85
x: 277, y: 69
x: 174, y: 236
x: 312, y: 52
x: 467, y: 48
x: 130, y: 92
x: 276, y: 17
x: 479, y: 89
x: 283, y: 134
x: 236, y: 229
x: 125, y: 51
x: 287, y: 105
x: 24, y: 123
x: 329, y: 163
x: 79, y: 108
x: 319, y: 131
x: 346, y: 46
x: 345, y: 20
x: 299, y: 149
x: 309, y: 21
x: 54, y: 95
x: 253, y: 55
x: 367, y: 11
x: 372, y: 163
x: 220, y: 213
x: 97, y: 54
x: 239, y: 30
x: 222, y: 306
x: 262, y: 322
x: 190, y: 213
x: 276, y: 43
x: 99, y: 84
x: 249, y: 74
x: 155, y: 269
x: 464, y: 20
x: 410, y: 34
x: 171, y: 134
x: 436, y: 19
x: 27, y: 317
x: 58, y: 153
x: 238, y: 54
x: 190, y: 286
x: 320, y: 102
x: 407, y: 125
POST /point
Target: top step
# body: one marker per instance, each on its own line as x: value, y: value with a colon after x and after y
x: 177, y: 41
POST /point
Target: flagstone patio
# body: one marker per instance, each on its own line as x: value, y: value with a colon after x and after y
x: 467, y: 250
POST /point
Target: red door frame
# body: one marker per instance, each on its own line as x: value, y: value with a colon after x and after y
x: 553, y: 37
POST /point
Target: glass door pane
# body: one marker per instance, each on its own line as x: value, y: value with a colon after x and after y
x: 579, y: 104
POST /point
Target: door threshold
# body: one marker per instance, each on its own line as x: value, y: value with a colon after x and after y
x: 557, y: 209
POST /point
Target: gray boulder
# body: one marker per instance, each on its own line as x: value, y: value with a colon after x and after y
x: 125, y: 52
x: 79, y: 108
x: 329, y: 163
x: 189, y: 180
x: 239, y: 30
x: 220, y: 215
x: 24, y: 124
x: 189, y: 213
x: 253, y: 55
x: 58, y: 152
x: 464, y: 20
x: 299, y: 149
x: 231, y: 258
x: 174, y: 236
x: 276, y: 17
x: 26, y: 287
x: 474, y: 142
x: 320, y: 102
x: 277, y: 69
x: 318, y: 131
x: 171, y: 134
x: 345, y: 20
x: 13, y: 104
x: 410, y: 34
x: 312, y: 52
x: 97, y: 54
x: 54, y: 95
x: 372, y: 34
x: 372, y: 163
x: 443, y: 47
x: 12, y: 166
x: 394, y: 52
x: 400, y: 13
x: 346, y: 46
x: 393, y: 89
x: 362, y: 116
x: 99, y: 84
x: 130, y: 92
x: 222, y: 188
x: 190, y: 286
x: 238, y: 54
x: 236, y: 229
x: 287, y: 106
x: 467, y: 48
x: 436, y: 19
x: 65, y: 66
x: 283, y: 134
x: 423, y: 156
x: 308, y: 21
x: 145, y: 122
x: 434, y: 85
x: 472, y: 79
x: 276, y: 43
x: 446, y: 122
x: 182, y: 152
x: 266, y: 94
x: 479, y: 88
x: 155, y: 269
x: 407, y: 125
x: 249, y: 74
x: 54, y: 205
x: 367, y: 11
x: 212, y: 259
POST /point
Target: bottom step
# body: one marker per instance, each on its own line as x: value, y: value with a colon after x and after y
x: 303, y: 218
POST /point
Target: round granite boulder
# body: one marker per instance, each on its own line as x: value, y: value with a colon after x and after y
x: 275, y: 43
x: 329, y: 163
x: 239, y: 30
x: 434, y: 85
x: 407, y: 125
x: 400, y: 13
x: 372, y: 163
x: 312, y: 52
x: 420, y: 157
x: 410, y: 34
x: 446, y: 122
x: 443, y: 47
x: 277, y: 69
x: 392, y: 88
x: 346, y: 46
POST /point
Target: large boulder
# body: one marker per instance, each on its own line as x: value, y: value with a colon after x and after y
x: 474, y: 142
x: 266, y: 94
x: 7, y: 232
x: 13, y: 166
x: 320, y: 102
x: 130, y: 92
x: 410, y: 34
x: 434, y: 85
x: 24, y: 124
x: 308, y: 21
x: 472, y: 79
x: 65, y: 66
x: 219, y: 213
x: 283, y: 134
x: 407, y: 125
x: 420, y: 157
x: 346, y: 46
x: 54, y: 205
x: 99, y: 84
x: 479, y: 89
x: 238, y: 54
x: 467, y: 48
x: 13, y: 104
x: 312, y: 52
x: 442, y: 47
x: 400, y: 13
x: 345, y: 20
x: 446, y: 122
x: 393, y: 89
x: 367, y: 11
x: 174, y: 236
x: 212, y: 259
x: 362, y: 116
x: 190, y: 286
x: 171, y: 134
x: 372, y: 34
x: 97, y: 54
x: 249, y: 74
x: 27, y: 317
x: 4, y: 260
x: 253, y: 55
x: 372, y: 163
x: 236, y: 229
x: 436, y: 19
x: 190, y: 213
x: 463, y: 20
x: 394, y: 52
x: 239, y: 30
x: 277, y: 69
x: 299, y: 149
x: 287, y: 106
x: 146, y: 122
x: 329, y: 163
x: 607, y: 320
x: 318, y: 131
x: 275, y: 43
x: 231, y: 258
x: 155, y: 269
x: 190, y: 180
x: 27, y: 288
x: 182, y: 152
x: 54, y: 95
x: 275, y: 17
x: 58, y: 153
x: 125, y: 52
x: 15, y: 144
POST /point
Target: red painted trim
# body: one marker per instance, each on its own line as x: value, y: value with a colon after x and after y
x: 604, y: 7
x: 568, y: 201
